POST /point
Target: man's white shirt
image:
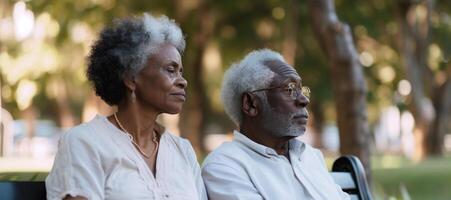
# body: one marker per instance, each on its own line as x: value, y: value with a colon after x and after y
x: 244, y: 169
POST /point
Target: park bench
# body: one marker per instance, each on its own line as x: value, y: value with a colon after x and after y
x: 349, y: 174
x: 22, y: 186
x: 347, y: 171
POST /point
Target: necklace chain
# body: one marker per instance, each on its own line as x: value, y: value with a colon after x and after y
x: 154, y: 140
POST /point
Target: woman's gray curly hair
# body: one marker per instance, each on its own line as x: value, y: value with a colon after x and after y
x: 245, y: 76
x: 123, y: 49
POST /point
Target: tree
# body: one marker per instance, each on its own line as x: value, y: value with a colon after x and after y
x: 349, y: 85
x: 194, y: 122
x: 431, y: 95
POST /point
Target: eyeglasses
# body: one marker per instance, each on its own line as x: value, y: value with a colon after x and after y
x: 293, y: 89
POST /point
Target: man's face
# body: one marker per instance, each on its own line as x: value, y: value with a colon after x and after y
x: 284, y: 113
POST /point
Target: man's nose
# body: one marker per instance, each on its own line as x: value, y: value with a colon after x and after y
x: 302, y: 100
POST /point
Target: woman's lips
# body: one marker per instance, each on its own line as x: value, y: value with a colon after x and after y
x: 181, y: 96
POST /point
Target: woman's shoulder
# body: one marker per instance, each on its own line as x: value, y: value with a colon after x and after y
x: 177, y: 140
x: 86, y: 131
x: 181, y: 144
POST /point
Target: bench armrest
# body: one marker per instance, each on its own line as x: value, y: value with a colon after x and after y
x: 348, y: 172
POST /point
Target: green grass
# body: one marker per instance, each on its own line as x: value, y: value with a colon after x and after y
x: 23, y: 176
x: 430, y: 179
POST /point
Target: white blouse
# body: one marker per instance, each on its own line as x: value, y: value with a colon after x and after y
x: 98, y: 161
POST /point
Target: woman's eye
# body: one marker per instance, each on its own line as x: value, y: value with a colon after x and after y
x: 171, y: 70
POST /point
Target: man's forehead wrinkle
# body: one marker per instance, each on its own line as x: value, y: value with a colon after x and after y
x: 282, y: 70
x: 279, y: 67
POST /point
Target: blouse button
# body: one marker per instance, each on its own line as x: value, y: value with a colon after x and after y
x: 166, y: 195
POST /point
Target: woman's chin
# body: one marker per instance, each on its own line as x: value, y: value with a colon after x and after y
x: 174, y: 111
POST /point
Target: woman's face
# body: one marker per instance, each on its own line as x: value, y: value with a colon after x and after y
x: 159, y: 85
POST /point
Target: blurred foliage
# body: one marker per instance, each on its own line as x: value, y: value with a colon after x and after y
x: 44, y: 66
x: 49, y: 62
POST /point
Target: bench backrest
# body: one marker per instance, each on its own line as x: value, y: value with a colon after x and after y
x: 348, y: 173
x: 347, y: 184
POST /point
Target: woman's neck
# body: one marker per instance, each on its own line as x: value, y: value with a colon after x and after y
x: 137, y: 122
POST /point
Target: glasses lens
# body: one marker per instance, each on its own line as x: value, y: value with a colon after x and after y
x: 292, y: 90
x: 305, y: 91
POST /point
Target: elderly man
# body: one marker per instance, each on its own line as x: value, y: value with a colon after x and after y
x: 264, y: 96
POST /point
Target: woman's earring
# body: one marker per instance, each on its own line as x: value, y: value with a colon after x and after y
x: 133, y: 95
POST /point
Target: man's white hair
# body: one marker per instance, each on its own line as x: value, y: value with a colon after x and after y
x: 247, y: 75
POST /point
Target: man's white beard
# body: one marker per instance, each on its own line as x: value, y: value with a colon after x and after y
x: 279, y: 124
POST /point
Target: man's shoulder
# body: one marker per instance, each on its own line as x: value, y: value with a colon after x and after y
x: 228, y: 152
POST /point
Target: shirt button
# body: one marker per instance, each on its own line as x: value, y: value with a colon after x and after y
x: 166, y: 195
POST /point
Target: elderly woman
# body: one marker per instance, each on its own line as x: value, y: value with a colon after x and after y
x: 136, y: 66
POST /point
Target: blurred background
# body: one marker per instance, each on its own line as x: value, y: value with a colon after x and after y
x: 399, y: 49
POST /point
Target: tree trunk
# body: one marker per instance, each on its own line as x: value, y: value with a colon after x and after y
x: 441, y: 124
x: 349, y: 84
x: 430, y: 115
x: 193, y: 120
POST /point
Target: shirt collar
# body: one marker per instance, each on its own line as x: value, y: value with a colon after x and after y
x: 296, y: 146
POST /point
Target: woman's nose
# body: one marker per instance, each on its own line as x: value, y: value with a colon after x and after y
x: 181, y: 82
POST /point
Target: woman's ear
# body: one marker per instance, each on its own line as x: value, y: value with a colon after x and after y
x: 130, y: 82
x: 249, y: 104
